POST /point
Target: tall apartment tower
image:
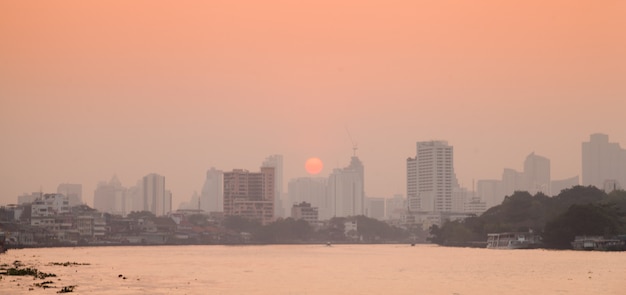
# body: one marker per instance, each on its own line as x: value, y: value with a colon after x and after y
x: 73, y: 191
x: 430, y: 177
x: 276, y: 161
x: 603, y: 161
x: 537, y: 174
x: 110, y: 197
x: 310, y: 190
x: 346, y: 192
x: 212, y: 195
x: 250, y: 194
x: 411, y: 185
x: 155, y: 198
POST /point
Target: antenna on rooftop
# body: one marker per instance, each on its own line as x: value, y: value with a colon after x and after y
x: 355, y: 145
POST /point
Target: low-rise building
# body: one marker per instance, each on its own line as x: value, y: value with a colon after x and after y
x: 305, y: 212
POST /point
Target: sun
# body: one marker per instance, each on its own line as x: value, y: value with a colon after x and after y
x: 313, y: 166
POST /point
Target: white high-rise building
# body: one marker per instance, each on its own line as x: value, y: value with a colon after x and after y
x: 346, y: 190
x: 155, y: 198
x: 276, y: 161
x: 311, y: 190
x: 430, y: 177
x: 603, y: 160
x: 212, y: 195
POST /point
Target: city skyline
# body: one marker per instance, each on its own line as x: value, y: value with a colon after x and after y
x: 525, y: 180
x: 92, y: 90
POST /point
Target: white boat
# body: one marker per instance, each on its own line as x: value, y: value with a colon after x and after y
x: 513, y: 240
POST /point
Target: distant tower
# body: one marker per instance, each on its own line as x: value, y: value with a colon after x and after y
x: 537, y: 174
x: 430, y: 177
x: 311, y: 190
x: 74, y: 192
x: 155, y: 198
x: 110, y: 197
x: 346, y: 192
x: 276, y: 161
x: 602, y: 160
x: 250, y: 194
x: 411, y: 184
x: 212, y: 195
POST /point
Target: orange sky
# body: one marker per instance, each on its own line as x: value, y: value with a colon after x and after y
x: 93, y: 88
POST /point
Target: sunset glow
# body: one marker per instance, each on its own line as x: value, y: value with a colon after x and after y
x: 135, y: 87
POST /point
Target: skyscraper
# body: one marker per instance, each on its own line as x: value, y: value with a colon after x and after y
x: 346, y: 190
x: 411, y: 185
x: 212, y: 195
x: 73, y: 191
x: 311, y: 190
x: 155, y: 198
x: 603, y: 161
x: 110, y: 197
x: 276, y: 161
x: 430, y: 177
x: 250, y: 194
x: 537, y: 174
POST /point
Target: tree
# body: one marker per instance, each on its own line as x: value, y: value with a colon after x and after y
x: 240, y: 224
x: 578, y: 220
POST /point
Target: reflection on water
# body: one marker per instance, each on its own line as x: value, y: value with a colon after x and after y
x: 317, y: 269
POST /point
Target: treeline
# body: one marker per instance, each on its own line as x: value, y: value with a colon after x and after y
x: 289, y: 230
x: 576, y: 211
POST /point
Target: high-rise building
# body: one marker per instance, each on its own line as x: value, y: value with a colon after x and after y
x: 311, y: 190
x: 155, y: 198
x: 411, y: 185
x: 375, y: 208
x: 512, y: 181
x: 603, y: 160
x: 212, y: 195
x: 250, y: 194
x: 276, y: 161
x: 395, y: 207
x: 134, y: 197
x: 537, y: 174
x: 490, y: 191
x: 110, y: 197
x: 556, y: 186
x: 346, y: 190
x: 73, y: 191
x: 430, y: 177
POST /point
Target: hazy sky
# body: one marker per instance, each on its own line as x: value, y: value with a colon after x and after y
x: 89, y: 89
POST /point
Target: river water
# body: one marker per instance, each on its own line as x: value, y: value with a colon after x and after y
x: 317, y: 269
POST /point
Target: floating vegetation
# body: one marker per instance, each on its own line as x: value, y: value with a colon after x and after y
x: 16, y: 270
x: 67, y: 263
x: 29, y: 271
x: 44, y: 285
x: 67, y: 289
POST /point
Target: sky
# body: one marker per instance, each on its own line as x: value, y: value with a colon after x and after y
x: 92, y: 89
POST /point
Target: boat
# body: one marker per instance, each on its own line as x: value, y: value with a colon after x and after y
x: 599, y: 243
x: 513, y: 240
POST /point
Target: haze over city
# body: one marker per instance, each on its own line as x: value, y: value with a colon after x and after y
x: 91, y: 90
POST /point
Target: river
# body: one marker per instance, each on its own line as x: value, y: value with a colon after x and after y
x: 317, y: 269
